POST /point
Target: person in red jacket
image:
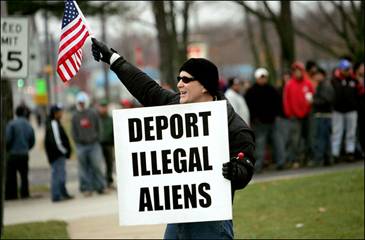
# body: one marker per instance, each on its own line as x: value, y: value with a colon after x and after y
x: 297, y: 100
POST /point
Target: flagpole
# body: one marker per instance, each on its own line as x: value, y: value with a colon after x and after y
x: 91, y: 34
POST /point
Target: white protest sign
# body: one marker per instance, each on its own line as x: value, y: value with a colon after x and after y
x: 14, y: 47
x: 169, y: 163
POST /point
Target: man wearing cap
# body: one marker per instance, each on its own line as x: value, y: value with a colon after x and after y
x: 197, y: 82
x: 344, y: 115
x: 263, y: 100
x: 86, y: 132
x: 58, y: 149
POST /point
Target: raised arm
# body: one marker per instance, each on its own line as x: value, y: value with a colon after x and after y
x: 138, y: 83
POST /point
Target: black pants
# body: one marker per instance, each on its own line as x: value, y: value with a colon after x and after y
x: 17, y: 163
x: 109, y: 162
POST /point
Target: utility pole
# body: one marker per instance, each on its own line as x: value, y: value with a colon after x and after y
x: 105, y: 66
x: 48, y: 59
x: 6, y: 104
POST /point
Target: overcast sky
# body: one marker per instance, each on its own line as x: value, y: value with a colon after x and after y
x: 204, y: 12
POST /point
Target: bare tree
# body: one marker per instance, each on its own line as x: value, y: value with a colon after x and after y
x: 346, y: 23
x: 283, y: 24
x: 172, y: 46
x: 251, y: 38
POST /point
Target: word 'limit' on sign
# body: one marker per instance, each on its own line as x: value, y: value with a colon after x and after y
x: 169, y: 163
x: 14, y: 47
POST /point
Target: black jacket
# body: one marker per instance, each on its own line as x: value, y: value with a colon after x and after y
x: 149, y: 93
x: 323, y: 98
x: 346, y: 93
x: 264, y: 103
x: 50, y: 143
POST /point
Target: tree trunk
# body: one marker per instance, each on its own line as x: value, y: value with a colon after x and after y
x: 166, y: 69
x: 285, y: 29
x: 268, y: 52
x: 251, y: 39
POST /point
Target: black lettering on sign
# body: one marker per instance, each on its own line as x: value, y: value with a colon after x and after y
x: 190, y: 123
x: 176, y: 196
x: 202, y: 191
x: 167, y: 197
x: 166, y: 161
x: 145, y: 200
x: 188, y: 193
x: 148, y: 128
x: 206, y: 159
x: 156, y: 197
x: 135, y: 129
x: 176, y: 126
x: 135, y: 164
x: 205, y: 116
x: 155, y: 170
x: 180, y: 165
x: 161, y: 124
x: 190, y: 196
x: 144, y: 170
x: 194, y: 160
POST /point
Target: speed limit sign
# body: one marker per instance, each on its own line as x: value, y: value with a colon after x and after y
x: 14, y: 47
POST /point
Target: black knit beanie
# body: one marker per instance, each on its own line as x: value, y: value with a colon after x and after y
x: 204, y: 71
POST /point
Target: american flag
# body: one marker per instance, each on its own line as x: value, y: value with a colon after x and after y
x: 74, y: 33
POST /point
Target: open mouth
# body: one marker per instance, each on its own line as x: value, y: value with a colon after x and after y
x: 183, y: 93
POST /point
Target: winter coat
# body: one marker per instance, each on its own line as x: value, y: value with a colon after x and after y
x: 19, y: 136
x: 149, y: 93
x: 56, y: 142
x: 86, y: 126
x: 264, y: 103
x: 323, y: 99
x: 239, y: 104
x: 296, y: 92
x: 346, y: 92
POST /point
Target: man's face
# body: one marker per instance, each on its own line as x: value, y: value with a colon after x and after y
x: 81, y: 105
x: 192, y: 91
x: 236, y: 87
x: 318, y: 77
x: 262, y: 80
x: 58, y: 115
x: 345, y: 72
x: 298, y: 73
x: 103, y: 109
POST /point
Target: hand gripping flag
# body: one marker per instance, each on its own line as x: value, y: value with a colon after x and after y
x: 74, y: 33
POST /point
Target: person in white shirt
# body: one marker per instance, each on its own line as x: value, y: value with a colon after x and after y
x: 233, y: 95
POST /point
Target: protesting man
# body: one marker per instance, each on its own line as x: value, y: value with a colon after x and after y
x: 197, y: 82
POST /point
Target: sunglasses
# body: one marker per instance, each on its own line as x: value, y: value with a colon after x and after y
x: 185, y: 79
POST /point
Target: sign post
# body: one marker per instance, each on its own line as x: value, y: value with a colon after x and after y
x: 169, y: 163
x: 14, y: 47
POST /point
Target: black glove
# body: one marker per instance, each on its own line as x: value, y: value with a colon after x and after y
x: 99, y: 48
x: 237, y: 169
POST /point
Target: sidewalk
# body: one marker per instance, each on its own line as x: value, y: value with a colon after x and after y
x: 97, y: 216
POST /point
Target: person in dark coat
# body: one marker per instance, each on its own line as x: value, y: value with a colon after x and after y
x: 58, y: 150
x: 322, y: 108
x: 263, y: 100
x: 197, y: 82
x: 19, y: 140
x: 107, y: 141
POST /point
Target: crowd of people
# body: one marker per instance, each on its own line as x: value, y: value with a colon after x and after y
x: 313, y: 118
